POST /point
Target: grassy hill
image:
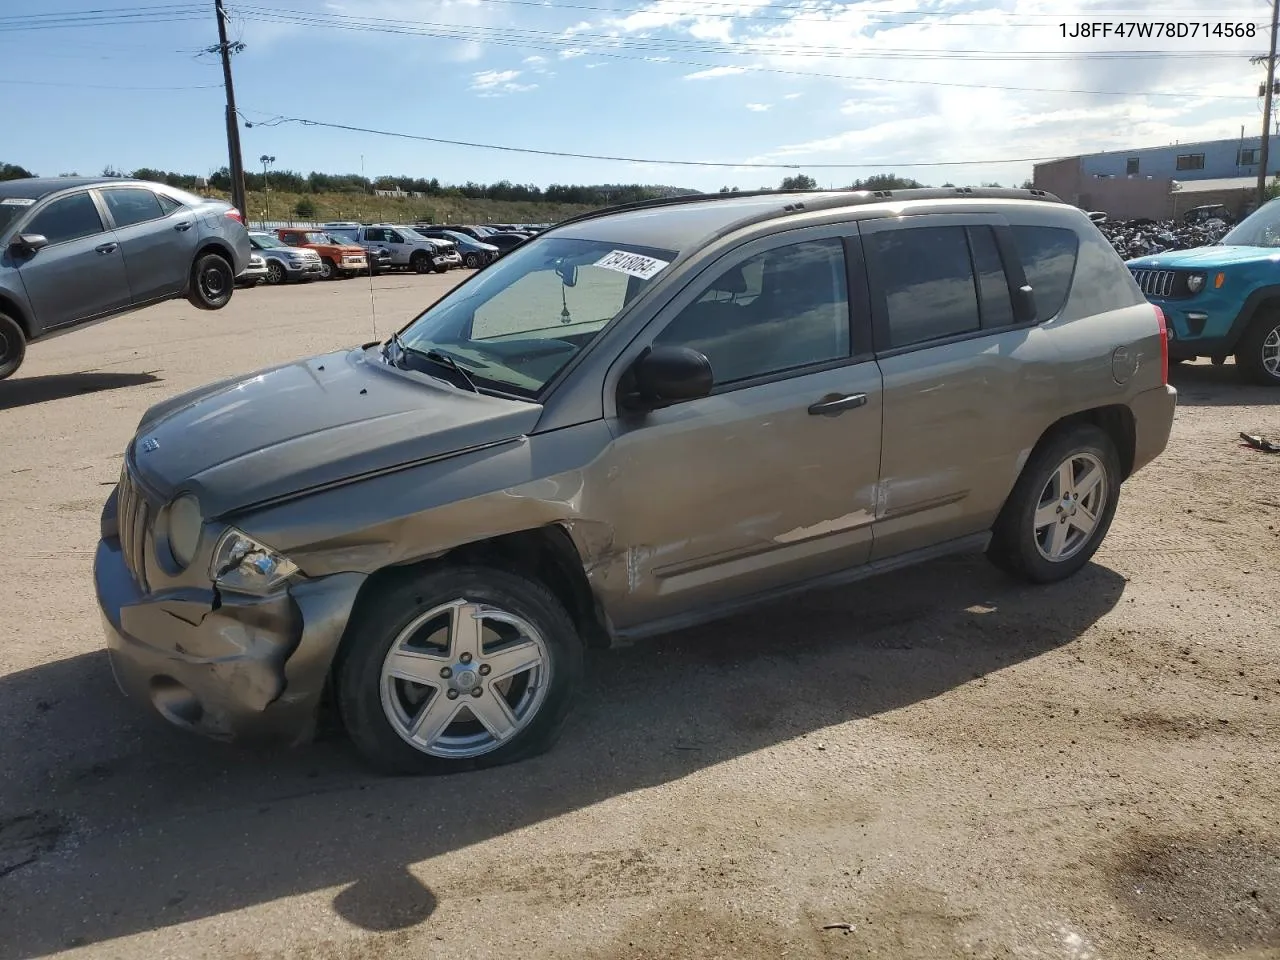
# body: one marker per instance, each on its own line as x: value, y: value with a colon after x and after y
x: 358, y: 206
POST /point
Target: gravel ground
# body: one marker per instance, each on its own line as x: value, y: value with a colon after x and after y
x: 947, y: 763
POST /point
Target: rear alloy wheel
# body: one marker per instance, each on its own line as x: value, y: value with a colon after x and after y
x: 212, y: 282
x: 275, y: 273
x: 462, y: 668
x: 1258, y: 353
x: 1061, y: 507
x: 472, y: 260
x: 13, y: 346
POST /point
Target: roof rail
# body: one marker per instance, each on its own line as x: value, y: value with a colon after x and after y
x: 825, y: 199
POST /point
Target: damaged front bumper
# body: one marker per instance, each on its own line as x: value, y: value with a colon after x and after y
x: 231, y: 667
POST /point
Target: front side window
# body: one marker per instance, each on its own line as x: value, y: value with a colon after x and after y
x: 928, y: 283
x: 783, y: 309
x: 519, y: 322
x: 130, y: 205
x: 68, y: 218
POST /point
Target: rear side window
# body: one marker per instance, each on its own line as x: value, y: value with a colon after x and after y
x: 928, y: 284
x: 1049, y: 260
x: 132, y: 205
x: 993, y: 285
x: 69, y: 218
x: 167, y: 204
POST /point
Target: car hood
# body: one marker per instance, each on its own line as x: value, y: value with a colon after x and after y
x: 1206, y: 257
x: 312, y: 423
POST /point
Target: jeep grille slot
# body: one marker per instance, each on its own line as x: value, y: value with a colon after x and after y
x: 133, y: 513
x: 1167, y: 284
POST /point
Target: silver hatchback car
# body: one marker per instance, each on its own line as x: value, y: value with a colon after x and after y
x: 76, y: 250
x: 642, y: 419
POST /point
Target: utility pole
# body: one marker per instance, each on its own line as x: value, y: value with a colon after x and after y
x: 1266, y: 105
x: 233, y: 125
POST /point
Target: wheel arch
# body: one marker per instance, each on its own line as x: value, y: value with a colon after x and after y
x: 9, y: 305
x: 1115, y: 420
x: 1260, y: 302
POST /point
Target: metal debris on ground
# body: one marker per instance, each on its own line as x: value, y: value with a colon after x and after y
x: 1260, y: 443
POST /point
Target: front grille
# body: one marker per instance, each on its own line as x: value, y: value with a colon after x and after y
x: 1165, y: 284
x: 133, y: 514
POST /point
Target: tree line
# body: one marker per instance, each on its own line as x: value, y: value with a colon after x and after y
x: 290, y: 181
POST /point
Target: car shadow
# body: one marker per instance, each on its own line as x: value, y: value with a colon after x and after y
x: 29, y: 390
x: 112, y: 824
x: 1201, y: 384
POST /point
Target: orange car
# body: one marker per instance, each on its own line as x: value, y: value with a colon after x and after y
x: 337, y: 259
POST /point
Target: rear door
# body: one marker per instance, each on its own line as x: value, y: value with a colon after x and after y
x: 967, y: 388
x: 159, y: 247
x: 81, y: 273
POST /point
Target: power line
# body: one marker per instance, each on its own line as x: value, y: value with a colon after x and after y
x: 277, y: 120
x: 99, y: 86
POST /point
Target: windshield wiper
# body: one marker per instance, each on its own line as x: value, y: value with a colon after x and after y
x: 438, y: 357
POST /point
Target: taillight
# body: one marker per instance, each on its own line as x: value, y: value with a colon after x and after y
x: 1164, y: 344
x: 236, y: 215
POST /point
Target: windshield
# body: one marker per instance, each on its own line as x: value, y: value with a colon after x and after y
x: 317, y: 237
x: 11, y: 208
x: 520, y: 321
x: 266, y: 241
x: 411, y: 234
x: 1260, y: 229
x: 459, y: 238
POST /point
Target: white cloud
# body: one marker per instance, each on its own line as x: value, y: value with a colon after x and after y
x: 497, y: 83
x: 535, y: 59
x: 572, y: 52
x: 793, y: 96
x: 715, y: 72
x: 758, y: 107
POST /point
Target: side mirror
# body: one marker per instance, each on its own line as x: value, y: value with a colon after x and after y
x: 1024, y: 304
x: 666, y: 375
x: 29, y: 242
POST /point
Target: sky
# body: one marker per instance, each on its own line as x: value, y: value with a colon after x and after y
x: 944, y: 91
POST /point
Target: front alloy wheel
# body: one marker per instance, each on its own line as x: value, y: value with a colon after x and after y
x: 327, y: 270
x: 1258, y: 354
x: 458, y: 669
x: 275, y: 273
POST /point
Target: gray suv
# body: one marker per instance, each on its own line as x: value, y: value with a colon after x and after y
x: 76, y: 250
x: 408, y: 248
x: 643, y: 419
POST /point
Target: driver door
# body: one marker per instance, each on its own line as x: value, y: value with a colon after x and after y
x: 770, y: 481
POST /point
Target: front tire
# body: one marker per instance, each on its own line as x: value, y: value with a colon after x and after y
x: 327, y: 270
x: 276, y: 274
x: 13, y: 346
x: 420, y: 263
x: 1258, y: 353
x: 472, y: 261
x: 212, y: 282
x: 458, y: 669
x: 1061, y: 507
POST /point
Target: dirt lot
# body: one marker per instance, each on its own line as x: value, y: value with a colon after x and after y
x: 951, y: 764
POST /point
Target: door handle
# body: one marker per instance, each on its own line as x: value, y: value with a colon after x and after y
x: 835, y: 404
x: 183, y: 225
x: 107, y: 247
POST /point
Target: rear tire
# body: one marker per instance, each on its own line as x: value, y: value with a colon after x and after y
x: 212, y: 282
x: 1070, y: 481
x: 383, y: 711
x: 13, y: 346
x: 1258, y: 352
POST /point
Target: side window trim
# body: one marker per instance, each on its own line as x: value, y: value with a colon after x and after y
x: 1014, y: 276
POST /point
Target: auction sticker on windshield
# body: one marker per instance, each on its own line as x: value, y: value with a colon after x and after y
x: 632, y: 264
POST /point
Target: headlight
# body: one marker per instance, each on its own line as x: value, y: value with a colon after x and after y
x: 242, y: 563
x: 1195, y: 282
x: 183, y: 529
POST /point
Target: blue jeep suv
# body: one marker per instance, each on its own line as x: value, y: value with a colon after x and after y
x: 1223, y: 299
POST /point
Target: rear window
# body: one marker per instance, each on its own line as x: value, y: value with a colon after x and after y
x: 1049, y: 261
